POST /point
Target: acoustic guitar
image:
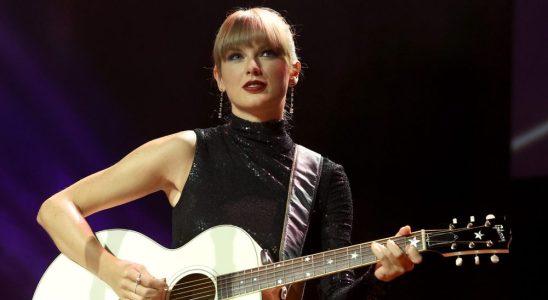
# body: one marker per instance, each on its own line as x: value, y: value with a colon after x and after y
x: 224, y: 262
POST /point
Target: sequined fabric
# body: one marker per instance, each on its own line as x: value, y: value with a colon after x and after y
x: 240, y: 176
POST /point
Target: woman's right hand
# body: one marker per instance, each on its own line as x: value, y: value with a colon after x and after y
x: 132, y: 281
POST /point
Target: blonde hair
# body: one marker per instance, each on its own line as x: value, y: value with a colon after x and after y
x: 248, y: 26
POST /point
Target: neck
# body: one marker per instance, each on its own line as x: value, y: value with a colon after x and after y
x: 261, y: 115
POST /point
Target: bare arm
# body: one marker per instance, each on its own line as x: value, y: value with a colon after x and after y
x: 161, y: 164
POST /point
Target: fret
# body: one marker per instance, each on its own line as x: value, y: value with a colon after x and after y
x: 318, y: 264
x: 299, y: 274
x: 245, y: 282
x: 278, y: 274
x: 235, y: 285
x: 330, y: 262
x: 255, y: 282
x: 344, y: 262
x: 264, y: 277
x: 237, y: 281
x: 240, y: 283
x: 303, y: 268
x: 355, y: 258
x: 229, y: 287
x: 347, y: 258
x: 361, y: 253
x: 220, y: 288
x: 226, y: 287
x: 308, y: 266
x: 289, y: 275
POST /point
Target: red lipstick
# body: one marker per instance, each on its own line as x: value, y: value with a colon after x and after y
x: 254, y: 86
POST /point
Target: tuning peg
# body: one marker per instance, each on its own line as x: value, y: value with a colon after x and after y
x: 471, y: 223
x: 494, y: 258
x: 452, y: 225
x: 488, y: 219
x: 476, y: 260
x: 458, y: 261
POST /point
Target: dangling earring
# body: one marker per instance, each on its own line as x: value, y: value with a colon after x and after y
x: 291, y: 98
x: 220, y: 114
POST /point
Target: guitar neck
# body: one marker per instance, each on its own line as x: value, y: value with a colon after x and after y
x: 307, y: 267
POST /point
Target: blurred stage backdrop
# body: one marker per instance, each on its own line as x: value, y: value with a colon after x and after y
x: 437, y: 109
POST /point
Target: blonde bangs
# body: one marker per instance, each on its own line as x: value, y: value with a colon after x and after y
x: 256, y: 25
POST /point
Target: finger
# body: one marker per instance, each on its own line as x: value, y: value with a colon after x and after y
x: 150, y: 281
x: 414, y: 254
x: 389, y: 258
x: 378, y: 250
x: 405, y: 230
x: 129, y: 287
x: 150, y: 286
x: 150, y: 292
x: 401, y: 263
x: 394, y: 249
x: 380, y: 270
x: 142, y: 292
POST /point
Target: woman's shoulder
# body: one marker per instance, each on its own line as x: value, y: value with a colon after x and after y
x: 169, y: 148
x: 187, y: 141
x: 184, y: 139
x: 331, y: 168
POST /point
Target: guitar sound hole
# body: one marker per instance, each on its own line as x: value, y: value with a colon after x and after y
x: 193, y: 286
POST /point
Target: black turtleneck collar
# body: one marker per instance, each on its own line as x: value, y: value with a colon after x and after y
x: 271, y: 134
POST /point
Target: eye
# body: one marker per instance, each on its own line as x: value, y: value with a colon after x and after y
x: 234, y: 56
x: 269, y: 53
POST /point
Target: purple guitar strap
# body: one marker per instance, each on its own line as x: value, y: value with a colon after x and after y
x: 303, y: 183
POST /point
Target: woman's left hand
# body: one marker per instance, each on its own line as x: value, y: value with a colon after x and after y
x: 392, y: 260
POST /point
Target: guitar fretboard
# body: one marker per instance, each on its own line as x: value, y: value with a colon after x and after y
x: 306, y: 267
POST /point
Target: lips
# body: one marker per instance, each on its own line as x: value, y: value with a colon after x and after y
x: 254, y: 86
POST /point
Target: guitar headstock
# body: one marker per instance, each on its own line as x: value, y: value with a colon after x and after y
x: 491, y: 236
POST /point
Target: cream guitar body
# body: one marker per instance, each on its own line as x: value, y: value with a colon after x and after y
x: 220, y: 250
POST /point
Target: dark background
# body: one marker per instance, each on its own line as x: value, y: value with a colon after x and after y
x: 421, y: 101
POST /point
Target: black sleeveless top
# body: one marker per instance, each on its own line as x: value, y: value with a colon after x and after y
x: 240, y: 176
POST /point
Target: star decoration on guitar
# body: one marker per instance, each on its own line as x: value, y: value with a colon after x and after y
x: 478, y: 235
x: 414, y: 242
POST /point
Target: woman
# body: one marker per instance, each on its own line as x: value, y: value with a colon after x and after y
x: 237, y: 173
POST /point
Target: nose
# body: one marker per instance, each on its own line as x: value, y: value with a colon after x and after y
x: 253, y: 67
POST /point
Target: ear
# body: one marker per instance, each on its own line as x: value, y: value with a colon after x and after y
x: 217, y: 76
x: 294, y: 74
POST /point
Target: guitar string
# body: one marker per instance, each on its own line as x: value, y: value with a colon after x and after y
x: 192, y: 293
x: 229, y: 293
x: 208, y: 296
x: 340, y: 257
x: 192, y: 288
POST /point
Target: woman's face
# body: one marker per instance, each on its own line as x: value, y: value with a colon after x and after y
x: 256, y: 79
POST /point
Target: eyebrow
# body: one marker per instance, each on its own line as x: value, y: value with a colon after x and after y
x: 231, y: 49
